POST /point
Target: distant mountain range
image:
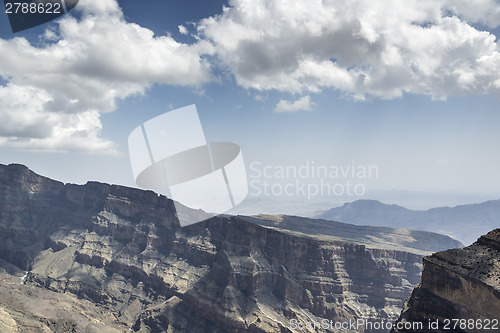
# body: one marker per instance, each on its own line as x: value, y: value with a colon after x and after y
x: 464, y: 223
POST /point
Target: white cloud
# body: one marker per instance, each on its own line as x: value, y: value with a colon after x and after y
x: 26, y: 122
x: 182, y: 29
x: 56, y: 92
x: 486, y: 12
x: 381, y: 48
x: 102, y: 8
x: 302, y: 104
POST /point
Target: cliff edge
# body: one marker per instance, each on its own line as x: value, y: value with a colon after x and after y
x: 99, y: 258
x: 460, y: 291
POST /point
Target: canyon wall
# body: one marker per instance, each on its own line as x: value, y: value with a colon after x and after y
x: 460, y: 291
x: 121, y: 253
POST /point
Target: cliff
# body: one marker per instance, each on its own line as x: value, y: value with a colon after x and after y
x: 460, y: 290
x: 98, y: 258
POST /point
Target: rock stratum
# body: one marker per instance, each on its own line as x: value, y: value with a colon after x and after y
x: 460, y: 291
x: 107, y: 258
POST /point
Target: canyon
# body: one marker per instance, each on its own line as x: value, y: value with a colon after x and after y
x: 108, y: 258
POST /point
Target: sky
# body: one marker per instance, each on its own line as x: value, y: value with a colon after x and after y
x: 409, y: 87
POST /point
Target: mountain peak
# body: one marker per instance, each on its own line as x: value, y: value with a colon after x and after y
x: 464, y: 223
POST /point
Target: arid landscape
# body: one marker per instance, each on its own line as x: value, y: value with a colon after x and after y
x: 260, y: 166
x: 99, y: 258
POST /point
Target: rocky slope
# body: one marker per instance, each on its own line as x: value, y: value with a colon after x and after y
x: 413, y: 241
x: 27, y: 308
x: 101, y: 258
x: 460, y: 291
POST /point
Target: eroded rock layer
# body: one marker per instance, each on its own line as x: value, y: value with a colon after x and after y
x: 119, y: 256
x: 460, y: 290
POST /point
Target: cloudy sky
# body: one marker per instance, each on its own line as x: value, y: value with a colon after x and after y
x: 410, y: 86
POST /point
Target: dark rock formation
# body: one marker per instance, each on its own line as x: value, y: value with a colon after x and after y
x: 460, y: 290
x: 118, y: 257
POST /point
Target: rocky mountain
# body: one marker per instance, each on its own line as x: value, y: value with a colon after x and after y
x: 413, y: 241
x: 460, y: 291
x: 107, y: 258
x: 465, y: 222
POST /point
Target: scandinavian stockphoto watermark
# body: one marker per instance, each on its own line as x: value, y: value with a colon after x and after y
x: 354, y: 325
x: 169, y: 153
x: 370, y: 325
x: 310, y: 179
x: 26, y: 14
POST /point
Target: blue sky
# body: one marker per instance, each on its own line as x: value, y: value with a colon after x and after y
x: 412, y: 88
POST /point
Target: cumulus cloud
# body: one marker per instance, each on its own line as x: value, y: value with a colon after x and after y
x: 381, y: 48
x: 302, y: 104
x: 56, y: 92
x: 486, y: 12
x: 182, y: 29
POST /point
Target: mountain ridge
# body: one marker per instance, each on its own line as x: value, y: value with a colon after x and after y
x: 422, y: 242
x: 119, y: 258
x: 465, y: 223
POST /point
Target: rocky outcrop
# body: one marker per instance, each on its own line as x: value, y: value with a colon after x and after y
x: 122, y: 252
x: 460, y: 291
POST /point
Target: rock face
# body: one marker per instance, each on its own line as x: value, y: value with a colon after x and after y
x: 118, y: 260
x: 460, y: 290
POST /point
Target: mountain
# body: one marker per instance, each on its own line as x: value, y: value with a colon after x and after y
x: 465, y: 222
x: 107, y: 258
x: 460, y: 291
x: 413, y: 241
